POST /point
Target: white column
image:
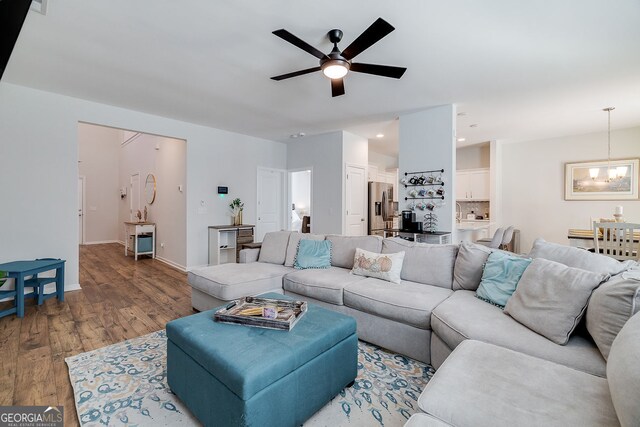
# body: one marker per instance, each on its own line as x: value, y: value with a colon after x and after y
x: 427, y: 142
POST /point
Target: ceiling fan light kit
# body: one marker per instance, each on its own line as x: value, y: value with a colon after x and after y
x: 337, y: 64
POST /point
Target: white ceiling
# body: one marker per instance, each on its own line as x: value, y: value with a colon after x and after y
x: 520, y: 70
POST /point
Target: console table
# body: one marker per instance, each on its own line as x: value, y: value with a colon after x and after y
x: 142, y: 238
x: 435, y: 237
x: 225, y: 242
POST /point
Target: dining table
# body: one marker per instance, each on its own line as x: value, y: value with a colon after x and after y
x: 28, y: 270
x: 581, y: 238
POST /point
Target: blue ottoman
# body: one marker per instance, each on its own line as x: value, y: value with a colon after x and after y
x: 235, y: 375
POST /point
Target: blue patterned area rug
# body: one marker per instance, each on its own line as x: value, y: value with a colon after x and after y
x: 125, y: 384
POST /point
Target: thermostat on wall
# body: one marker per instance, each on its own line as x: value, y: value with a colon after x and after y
x: 223, y: 190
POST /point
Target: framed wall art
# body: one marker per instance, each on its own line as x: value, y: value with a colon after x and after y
x: 601, y: 180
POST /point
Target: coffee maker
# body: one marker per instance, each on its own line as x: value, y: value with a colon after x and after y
x: 408, y: 218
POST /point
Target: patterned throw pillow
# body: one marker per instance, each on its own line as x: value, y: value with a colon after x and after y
x: 381, y: 266
x: 313, y: 254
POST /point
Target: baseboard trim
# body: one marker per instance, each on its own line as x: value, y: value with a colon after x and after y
x: 101, y: 242
x: 172, y: 264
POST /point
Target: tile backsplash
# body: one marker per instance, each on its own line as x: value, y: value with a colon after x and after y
x: 478, y: 208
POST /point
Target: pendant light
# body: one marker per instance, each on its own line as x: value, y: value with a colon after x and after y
x: 617, y: 172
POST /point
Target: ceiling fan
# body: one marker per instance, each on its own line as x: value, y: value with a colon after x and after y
x: 336, y: 64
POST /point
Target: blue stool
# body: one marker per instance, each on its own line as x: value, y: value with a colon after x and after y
x: 236, y: 375
x: 12, y: 294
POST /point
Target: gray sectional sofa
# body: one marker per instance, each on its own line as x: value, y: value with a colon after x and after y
x: 433, y: 312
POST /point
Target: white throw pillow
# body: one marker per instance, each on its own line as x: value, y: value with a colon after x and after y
x: 381, y: 266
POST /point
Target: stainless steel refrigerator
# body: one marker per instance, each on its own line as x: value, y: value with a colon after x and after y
x: 381, y: 207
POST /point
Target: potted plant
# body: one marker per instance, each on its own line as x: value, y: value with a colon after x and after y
x: 236, y: 211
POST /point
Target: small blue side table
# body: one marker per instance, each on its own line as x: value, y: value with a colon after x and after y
x: 18, y: 270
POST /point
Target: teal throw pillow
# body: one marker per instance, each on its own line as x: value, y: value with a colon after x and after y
x: 500, y: 277
x: 313, y: 254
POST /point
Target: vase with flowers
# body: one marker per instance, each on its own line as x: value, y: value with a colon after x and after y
x: 236, y: 211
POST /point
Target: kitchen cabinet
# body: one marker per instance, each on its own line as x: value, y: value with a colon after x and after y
x: 372, y: 173
x: 472, y: 184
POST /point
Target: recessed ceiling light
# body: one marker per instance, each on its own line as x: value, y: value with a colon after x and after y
x: 297, y: 135
x: 475, y: 125
x: 462, y: 139
x: 380, y: 135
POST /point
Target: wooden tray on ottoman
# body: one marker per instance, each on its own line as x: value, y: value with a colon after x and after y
x: 289, y: 312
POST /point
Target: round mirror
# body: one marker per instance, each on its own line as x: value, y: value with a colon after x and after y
x: 150, y: 189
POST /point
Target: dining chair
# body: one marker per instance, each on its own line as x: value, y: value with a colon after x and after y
x: 495, y: 241
x: 620, y: 240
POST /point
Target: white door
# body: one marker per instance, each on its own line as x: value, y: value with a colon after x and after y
x: 134, y: 200
x: 271, y: 202
x: 355, y: 200
x: 81, y: 210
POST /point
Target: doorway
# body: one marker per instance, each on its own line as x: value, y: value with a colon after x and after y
x: 270, y: 202
x: 81, y: 210
x: 134, y: 191
x: 299, y: 205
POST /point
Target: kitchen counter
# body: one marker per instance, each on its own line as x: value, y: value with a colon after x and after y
x: 473, y: 230
x: 477, y: 224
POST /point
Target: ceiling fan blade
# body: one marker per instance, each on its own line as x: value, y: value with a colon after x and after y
x: 337, y: 87
x: 369, y: 37
x: 295, y: 74
x: 378, y: 70
x: 286, y: 35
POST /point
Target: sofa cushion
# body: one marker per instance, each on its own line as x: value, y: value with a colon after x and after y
x: 623, y: 373
x: 313, y: 254
x: 292, y: 247
x: 343, y: 248
x: 463, y: 316
x: 576, y: 257
x: 500, y: 277
x: 423, y: 262
x: 323, y: 285
x: 407, y: 302
x: 551, y: 298
x: 610, y: 306
x: 274, y: 247
x: 382, y: 266
x: 467, y: 271
x: 485, y: 385
x: 231, y: 281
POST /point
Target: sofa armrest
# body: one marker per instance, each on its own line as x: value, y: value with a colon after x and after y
x: 249, y: 255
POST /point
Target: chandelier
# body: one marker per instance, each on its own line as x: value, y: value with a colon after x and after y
x: 612, y: 173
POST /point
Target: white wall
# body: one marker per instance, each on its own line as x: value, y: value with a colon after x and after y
x: 322, y: 154
x: 383, y: 161
x: 427, y: 142
x: 533, y: 184
x: 168, y: 211
x: 98, y: 163
x: 38, y: 132
x: 473, y: 157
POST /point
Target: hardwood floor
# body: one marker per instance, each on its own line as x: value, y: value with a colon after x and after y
x: 120, y: 299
